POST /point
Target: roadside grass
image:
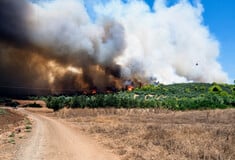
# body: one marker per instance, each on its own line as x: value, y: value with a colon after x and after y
x: 2, y: 111
x: 28, y: 125
x: 12, y: 135
x: 28, y: 130
x: 27, y: 121
x: 12, y: 141
x: 11, y: 138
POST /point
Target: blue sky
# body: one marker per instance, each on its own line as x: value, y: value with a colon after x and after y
x: 219, y: 17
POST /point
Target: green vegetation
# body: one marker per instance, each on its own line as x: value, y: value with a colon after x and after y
x: 27, y: 121
x: 28, y: 127
x: 11, y: 140
x: 3, y: 100
x: 183, y: 96
x: 28, y: 130
x: 12, y: 134
x: 10, y: 103
x: 2, y: 111
x: 33, y: 105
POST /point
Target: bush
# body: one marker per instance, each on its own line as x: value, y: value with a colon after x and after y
x: 34, y: 105
x: 233, y: 90
x: 215, y: 89
x: 2, y: 111
x: 74, y: 102
x: 79, y: 102
x: 56, y: 103
x: 111, y: 100
x: 12, y: 104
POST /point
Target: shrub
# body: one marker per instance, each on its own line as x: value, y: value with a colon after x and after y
x: 28, y: 127
x: 111, y: 100
x: 12, y: 104
x: 2, y: 111
x: 56, y: 103
x: 224, y: 94
x: 34, y: 105
x: 74, y: 102
x: 215, y: 89
x: 233, y: 89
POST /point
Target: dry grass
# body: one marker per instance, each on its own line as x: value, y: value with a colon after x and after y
x: 9, y: 119
x: 145, y: 134
x: 11, y: 131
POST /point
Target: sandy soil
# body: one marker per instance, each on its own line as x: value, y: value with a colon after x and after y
x: 56, y: 140
x: 12, y: 132
x: 9, y: 119
x: 154, y: 134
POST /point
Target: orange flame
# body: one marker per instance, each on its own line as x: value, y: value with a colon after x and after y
x: 93, y: 91
x: 130, y: 88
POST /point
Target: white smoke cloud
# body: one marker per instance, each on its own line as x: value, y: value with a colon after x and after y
x: 67, y: 25
x: 170, y: 43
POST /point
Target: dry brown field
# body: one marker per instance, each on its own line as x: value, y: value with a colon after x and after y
x: 152, y: 134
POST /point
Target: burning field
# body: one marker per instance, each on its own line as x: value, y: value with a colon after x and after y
x: 53, y: 47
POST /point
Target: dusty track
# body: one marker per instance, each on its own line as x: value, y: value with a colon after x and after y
x: 56, y: 140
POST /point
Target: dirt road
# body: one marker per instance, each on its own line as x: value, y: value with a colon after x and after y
x: 56, y: 140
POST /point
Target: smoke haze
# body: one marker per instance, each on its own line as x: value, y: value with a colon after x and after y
x: 56, y: 45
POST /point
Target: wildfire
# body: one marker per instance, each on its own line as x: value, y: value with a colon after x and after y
x: 74, y: 70
x: 130, y: 88
x: 129, y: 85
x: 93, y: 91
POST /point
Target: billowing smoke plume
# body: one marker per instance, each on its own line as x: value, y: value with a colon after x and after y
x: 13, y: 20
x: 56, y: 45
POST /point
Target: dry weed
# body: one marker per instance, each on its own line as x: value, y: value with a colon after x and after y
x: 151, y: 134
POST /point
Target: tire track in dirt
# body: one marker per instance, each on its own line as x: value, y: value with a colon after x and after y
x: 56, y: 140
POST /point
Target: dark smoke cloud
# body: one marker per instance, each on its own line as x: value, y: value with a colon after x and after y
x: 21, y: 72
x: 17, y: 75
x: 14, y: 22
x: 35, y: 61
